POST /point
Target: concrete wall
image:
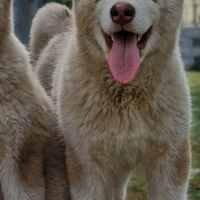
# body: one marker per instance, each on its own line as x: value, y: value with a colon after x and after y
x: 24, y: 11
x: 190, y: 47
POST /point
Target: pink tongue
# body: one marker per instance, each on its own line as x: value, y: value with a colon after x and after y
x: 124, y: 57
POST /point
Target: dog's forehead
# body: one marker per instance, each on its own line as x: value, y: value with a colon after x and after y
x: 107, y: 3
x: 167, y: 4
x: 145, y: 1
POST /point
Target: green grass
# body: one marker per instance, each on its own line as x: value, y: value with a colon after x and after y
x: 194, y: 187
x: 137, y: 186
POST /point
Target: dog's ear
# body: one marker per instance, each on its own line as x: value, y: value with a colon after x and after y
x: 6, y: 19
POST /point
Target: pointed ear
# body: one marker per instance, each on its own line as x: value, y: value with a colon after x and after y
x: 6, y: 18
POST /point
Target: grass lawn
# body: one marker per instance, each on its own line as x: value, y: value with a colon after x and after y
x: 194, y: 187
x: 137, y: 186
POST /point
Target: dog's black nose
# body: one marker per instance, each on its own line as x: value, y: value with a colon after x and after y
x: 122, y: 13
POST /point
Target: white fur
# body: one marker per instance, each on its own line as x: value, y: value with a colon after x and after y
x: 110, y: 128
x: 31, y: 168
x: 147, y: 12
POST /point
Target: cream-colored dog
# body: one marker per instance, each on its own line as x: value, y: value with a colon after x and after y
x: 32, y: 166
x: 123, y: 99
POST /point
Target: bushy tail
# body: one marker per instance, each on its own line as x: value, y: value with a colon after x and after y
x: 49, y: 21
x: 6, y: 21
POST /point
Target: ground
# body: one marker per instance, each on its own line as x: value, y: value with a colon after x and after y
x: 137, y: 186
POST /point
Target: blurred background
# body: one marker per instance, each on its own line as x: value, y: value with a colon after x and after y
x: 24, y: 11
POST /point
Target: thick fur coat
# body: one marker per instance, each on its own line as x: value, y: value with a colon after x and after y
x: 49, y: 21
x: 57, y: 20
x: 111, y: 127
x: 32, y: 160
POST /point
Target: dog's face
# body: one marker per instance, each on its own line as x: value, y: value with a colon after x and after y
x: 127, y: 30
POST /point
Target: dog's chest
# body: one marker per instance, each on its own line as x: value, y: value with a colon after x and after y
x: 110, y: 120
x: 118, y: 123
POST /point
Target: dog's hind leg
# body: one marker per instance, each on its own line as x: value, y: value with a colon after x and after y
x: 1, y: 196
x: 167, y: 172
x: 56, y: 180
x: 121, y: 185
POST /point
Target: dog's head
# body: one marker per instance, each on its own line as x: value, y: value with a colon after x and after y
x: 127, y: 30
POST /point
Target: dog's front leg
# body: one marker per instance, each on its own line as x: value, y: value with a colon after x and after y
x: 56, y: 180
x: 88, y: 185
x: 88, y: 180
x: 121, y: 185
x: 167, y: 171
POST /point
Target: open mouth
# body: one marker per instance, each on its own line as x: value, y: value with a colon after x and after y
x: 124, y: 56
x: 141, y: 39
